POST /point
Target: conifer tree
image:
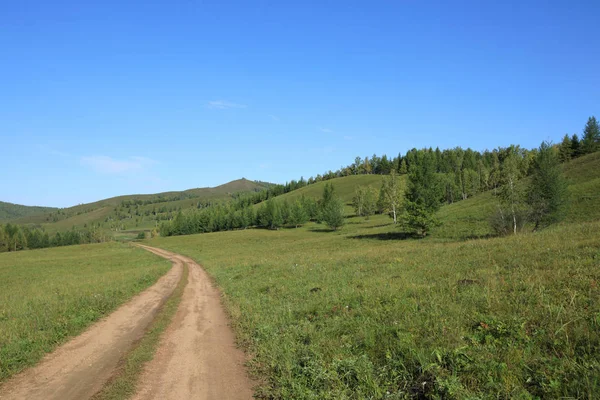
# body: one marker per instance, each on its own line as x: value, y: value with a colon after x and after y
x: 423, y: 195
x: 298, y: 215
x: 591, y: 136
x: 575, y: 146
x: 333, y: 213
x: 565, y: 150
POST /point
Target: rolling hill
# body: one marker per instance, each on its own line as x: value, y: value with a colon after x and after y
x: 135, y: 211
x: 10, y: 211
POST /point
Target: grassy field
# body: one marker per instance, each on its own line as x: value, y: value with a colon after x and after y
x: 365, y: 313
x: 353, y: 314
x: 49, y: 295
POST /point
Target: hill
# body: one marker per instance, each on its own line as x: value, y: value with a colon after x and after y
x: 10, y: 211
x: 137, y: 210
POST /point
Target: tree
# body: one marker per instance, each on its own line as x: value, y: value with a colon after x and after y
x: 3, y: 240
x: 548, y: 194
x: 390, y: 195
x: 423, y: 195
x: 591, y: 136
x: 358, y: 201
x: 333, y: 213
x: 575, y: 146
x: 273, y: 215
x: 511, y: 194
x: 298, y: 215
x: 403, y: 168
x: 369, y: 202
x: 285, y: 211
x: 565, y: 149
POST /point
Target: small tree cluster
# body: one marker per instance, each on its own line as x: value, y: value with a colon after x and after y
x: 542, y: 202
x: 331, y: 208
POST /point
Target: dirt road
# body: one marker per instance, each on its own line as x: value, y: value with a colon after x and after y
x: 196, y: 358
x: 80, y: 367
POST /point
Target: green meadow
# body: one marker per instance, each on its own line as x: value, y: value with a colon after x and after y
x: 50, y: 295
x: 365, y: 312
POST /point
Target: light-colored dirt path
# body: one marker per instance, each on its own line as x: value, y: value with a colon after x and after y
x: 80, y: 367
x: 197, y: 357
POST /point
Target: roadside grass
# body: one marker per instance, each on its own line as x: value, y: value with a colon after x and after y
x: 123, y: 384
x: 362, y: 313
x: 48, y: 296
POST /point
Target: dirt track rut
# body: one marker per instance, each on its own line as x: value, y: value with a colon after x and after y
x: 197, y: 357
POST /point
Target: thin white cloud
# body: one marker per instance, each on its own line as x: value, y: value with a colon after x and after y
x: 348, y: 138
x: 224, y: 105
x: 274, y: 117
x: 325, y: 130
x: 109, y: 165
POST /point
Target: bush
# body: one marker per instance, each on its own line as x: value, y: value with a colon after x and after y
x: 141, y: 235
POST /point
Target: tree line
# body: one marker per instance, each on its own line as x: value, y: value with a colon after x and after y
x: 15, y: 237
x: 272, y: 214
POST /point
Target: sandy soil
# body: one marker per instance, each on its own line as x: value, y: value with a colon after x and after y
x: 197, y: 357
x: 80, y: 367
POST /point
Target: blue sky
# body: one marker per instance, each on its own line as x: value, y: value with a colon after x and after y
x: 121, y: 97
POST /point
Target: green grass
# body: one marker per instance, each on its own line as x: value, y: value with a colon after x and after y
x: 50, y: 295
x: 123, y: 384
x: 328, y: 315
x: 366, y: 313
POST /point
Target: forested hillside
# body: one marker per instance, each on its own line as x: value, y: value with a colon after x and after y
x: 9, y: 211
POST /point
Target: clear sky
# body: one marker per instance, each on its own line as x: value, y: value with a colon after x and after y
x: 102, y: 98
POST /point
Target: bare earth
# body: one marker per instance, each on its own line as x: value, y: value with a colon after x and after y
x: 80, y: 367
x: 196, y: 358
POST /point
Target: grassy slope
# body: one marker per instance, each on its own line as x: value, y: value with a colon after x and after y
x: 344, y: 187
x: 352, y: 314
x: 49, y: 295
x: 9, y: 211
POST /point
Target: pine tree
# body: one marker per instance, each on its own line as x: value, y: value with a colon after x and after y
x: 575, y: 146
x: 565, y: 150
x: 548, y: 194
x: 298, y: 215
x: 403, y: 168
x: 333, y: 213
x: 275, y: 219
x: 423, y: 195
x: 591, y: 136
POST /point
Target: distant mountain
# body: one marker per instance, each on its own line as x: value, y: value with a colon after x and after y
x: 10, y: 211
